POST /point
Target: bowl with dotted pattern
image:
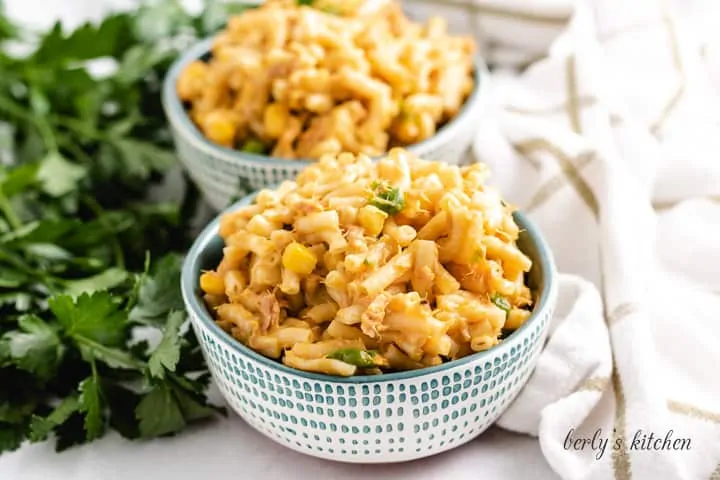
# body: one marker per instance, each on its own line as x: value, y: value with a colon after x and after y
x: 392, y: 417
x: 224, y: 174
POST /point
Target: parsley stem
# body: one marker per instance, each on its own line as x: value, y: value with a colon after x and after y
x: 117, y: 358
x: 12, y: 108
x: 40, y: 123
x: 8, y: 211
x: 78, y: 128
x: 47, y: 134
x: 99, y: 213
x: 75, y: 150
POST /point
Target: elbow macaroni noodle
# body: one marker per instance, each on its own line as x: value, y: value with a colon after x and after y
x: 362, y: 268
x: 299, y: 82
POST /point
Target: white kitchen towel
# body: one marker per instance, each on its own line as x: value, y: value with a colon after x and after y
x: 610, y: 140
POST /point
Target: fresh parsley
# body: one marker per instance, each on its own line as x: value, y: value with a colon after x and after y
x: 88, y: 260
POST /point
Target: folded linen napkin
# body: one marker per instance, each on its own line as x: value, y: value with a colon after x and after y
x: 609, y: 140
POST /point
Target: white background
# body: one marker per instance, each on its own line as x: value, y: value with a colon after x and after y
x: 230, y: 449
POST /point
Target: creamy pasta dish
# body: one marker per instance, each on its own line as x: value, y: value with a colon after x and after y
x: 362, y: 268
x: 298, y: 81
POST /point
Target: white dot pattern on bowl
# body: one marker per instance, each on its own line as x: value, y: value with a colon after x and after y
x: 379, y: 421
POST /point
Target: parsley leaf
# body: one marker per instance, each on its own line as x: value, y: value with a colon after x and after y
x: 167, y: 353
x: 11, y: 436
x: 159, y: 413
x: 40, y: 427
x: 58, y: 176
x: 105, y: 280
x: 91, y: 406
x: 159, y: 293
x: 83, y: 143
x: 35, y: 347
x: 94, y: 317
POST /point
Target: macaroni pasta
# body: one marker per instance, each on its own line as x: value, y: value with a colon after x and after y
x: 296, y: 81
x: 362, y: 267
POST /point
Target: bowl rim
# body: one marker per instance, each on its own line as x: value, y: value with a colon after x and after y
x: 181, y: 122
x: 198, y: 313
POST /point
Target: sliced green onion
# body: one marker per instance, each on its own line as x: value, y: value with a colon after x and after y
x: 501, y: 302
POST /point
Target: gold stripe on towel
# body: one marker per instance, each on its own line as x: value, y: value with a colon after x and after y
x: 620, y: 312
x: 586, y: 101
x: 597, y: 384
x: 552, y: 186
x: 573, y: 108
x: 677, y: 62
x: 668, y: 109
x: 622, y: 467
x: 661, y: 206
x: 716, y: 473
x: 693, y: 411
x: 566, y: 166
x: 527, y: 150
x: 674, y: 45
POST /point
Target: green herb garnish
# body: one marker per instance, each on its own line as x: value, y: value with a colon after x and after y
x: 330, y: 10
x: 355, y: 356
x: 307, y: 3
x: 79, y: 154
x: 253, y: 145
x: 388, y: 199
x: 501, y: 302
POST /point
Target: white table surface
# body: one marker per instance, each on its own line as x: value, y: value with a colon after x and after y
x: 230, y: 449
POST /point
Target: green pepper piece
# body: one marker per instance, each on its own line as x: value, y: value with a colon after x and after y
x: 501, y: 302
x: 388, y: 199
x: 253, y: 145
x: 354, y: 356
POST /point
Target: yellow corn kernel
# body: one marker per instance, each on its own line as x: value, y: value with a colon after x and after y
x: 276, y: 119
x: 372, y: 219
x: 516, y: 318
x: 212, y: 283
x: 219, y: 127
x: 299, y: 259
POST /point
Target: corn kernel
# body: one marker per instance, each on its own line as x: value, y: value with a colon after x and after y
x: 516, y: 318
x: 212, y: 283
x: 219, y: 127
x: 276, y: 119
x: 299, y: 259
x: 372, y: 219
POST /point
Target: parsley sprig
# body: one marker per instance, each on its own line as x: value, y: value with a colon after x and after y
x: 89, y: 262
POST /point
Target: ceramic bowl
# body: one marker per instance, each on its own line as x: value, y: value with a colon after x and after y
x: 372, y: 419
x: 224, y: 174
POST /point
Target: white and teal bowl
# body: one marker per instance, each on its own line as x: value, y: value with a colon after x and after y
x: 224, y: 174
x: 372, y: 419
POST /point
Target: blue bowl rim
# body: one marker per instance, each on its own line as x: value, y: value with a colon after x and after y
x: 193, y: 302
x: 181, y: 122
